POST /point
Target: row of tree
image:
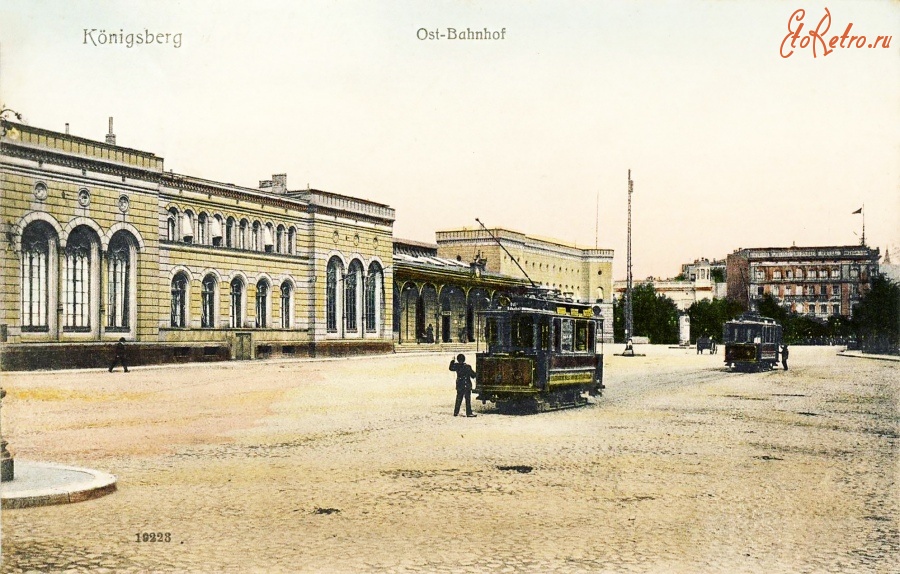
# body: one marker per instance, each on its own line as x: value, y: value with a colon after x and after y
x: 875, y: 325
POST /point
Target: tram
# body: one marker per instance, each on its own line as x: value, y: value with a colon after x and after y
x: 752, y: 342
x: 544, y: 352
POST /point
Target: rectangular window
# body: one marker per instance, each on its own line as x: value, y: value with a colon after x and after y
x: 835, y: 273
x: 567, y: 335
x: 776, y: 274
x: 77, y: 282
x: 836, y: 290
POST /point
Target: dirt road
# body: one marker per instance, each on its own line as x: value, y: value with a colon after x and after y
x: 359, y: 466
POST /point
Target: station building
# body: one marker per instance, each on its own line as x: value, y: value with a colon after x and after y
x: 103, y: 243
x: 815, y: 281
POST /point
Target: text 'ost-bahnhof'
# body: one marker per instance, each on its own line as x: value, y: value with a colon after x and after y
x: 103, y: 243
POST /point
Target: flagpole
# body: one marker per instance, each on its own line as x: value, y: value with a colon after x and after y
x: 864, y: 225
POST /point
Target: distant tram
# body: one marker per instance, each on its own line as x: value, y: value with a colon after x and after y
x: 544, y: 352
x: 752, y: 342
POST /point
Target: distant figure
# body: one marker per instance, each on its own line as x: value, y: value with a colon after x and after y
x: 120, y: 356
x: 429, y: 334
x: 464, y: 375
x: 784, y: 356
x: 629, y: 347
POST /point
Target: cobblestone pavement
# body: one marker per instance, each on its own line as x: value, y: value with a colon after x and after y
x: 359, y: 466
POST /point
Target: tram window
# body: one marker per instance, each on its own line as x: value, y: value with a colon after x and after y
x: 567, y: 335
x: 557, y: 335
x: 545, y: 334
x: 581, y: 335
x: 522, y: 332
x: 491, y: 333
x: 591, y: 346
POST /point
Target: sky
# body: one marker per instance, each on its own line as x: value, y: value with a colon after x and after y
x: 730, y: 144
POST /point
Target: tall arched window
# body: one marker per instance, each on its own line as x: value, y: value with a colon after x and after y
x: 268, y: 238
x: 280, y: 246
x: 77, y: 280
x: 119, y: 282
x: 202, y: 234
x: 237, y: 303
x: 242, y: 234
x: 179, y: 300
x: 286, y: 311
x: 171, y: 223
x: 229, y: 232
x: 351, y: 295
x: 262, y: 304
x: 256, y: 237
x: 374, y: 285
x: 291, y: 239
x: 187, y: 226
x: 208, y: 302
x: 215, y: 230
x: 335, y: 269
x: 38, y: 249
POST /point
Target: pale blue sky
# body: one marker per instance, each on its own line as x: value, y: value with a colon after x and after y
x: 719, y: 131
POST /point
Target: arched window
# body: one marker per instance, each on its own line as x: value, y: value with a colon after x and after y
x: 119, y: 284
x: 229, y: 233
x: 255, y: 240
x: 208, y: 302
x: 291, y: 239
x: 77, y: 280
x: 187, y: 226
x: 237, y: 303
x: 38, y: 249
x: 215, y: 230
x: 351, y: 295
x: 286, y: 307
x: 280, y: 246
x: 374, y: 284
x: 262, y: 304
x: 335, y: 269
x: 202, y: 234
x: 268, y: 238
x: 171, y: 223
x: 179, y: 300
x: 242, y: 234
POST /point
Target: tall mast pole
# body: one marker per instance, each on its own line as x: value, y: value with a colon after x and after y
x: 629, y: 318
x: 863, y: 239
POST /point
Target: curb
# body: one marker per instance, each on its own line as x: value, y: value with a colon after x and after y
x: 865, y: 356
x: 62, y: 485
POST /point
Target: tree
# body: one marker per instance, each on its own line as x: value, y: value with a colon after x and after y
x: 877, y: 317
x: 709, y: 316
x: 655, y: 316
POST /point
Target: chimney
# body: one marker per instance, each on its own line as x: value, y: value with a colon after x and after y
x: 110, y: 137
x: 279, y: 183
x: 67, y: 128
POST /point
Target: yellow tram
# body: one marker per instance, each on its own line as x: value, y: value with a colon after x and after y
x: 544, y: 352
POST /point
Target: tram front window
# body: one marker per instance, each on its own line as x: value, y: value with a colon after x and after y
x: 581, y: 336
x: 491, y: 333
x: 522, y: 332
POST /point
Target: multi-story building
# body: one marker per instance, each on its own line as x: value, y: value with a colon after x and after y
x: 700, y: 280
x: 584, y: 274
x: 103, y: 243
x: 819, y: 281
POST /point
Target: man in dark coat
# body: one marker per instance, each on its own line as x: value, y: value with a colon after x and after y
x: 464, y: 375
x: 784, y: 356
x: 120, y: 356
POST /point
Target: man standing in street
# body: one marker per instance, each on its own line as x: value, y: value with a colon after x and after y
x: 464, y: 375
x: 784, y: 356
x: 120, y: 356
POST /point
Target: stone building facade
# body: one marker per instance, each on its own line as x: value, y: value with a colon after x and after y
x: 697, y: 283
x: 437, y: 299
x: 583, y: 274
x: 103, y: 243
x: 816, y: 281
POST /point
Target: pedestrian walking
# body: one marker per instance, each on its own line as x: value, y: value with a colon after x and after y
x: 120, y: 357
x: 784, y: 356
x: 464, y: 375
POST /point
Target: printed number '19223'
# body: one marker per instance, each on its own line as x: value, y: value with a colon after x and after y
x: 153, y: 537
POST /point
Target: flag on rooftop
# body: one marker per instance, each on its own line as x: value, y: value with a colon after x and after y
x: 857, y: 211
